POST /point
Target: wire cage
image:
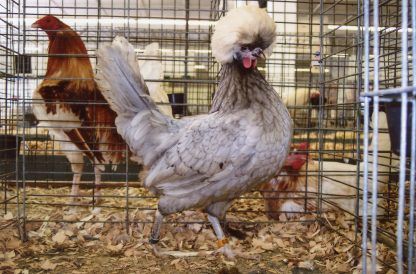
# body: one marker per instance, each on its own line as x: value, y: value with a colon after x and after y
x: 365, y: 54
x: 11, y: 107
x: 392, y: 20
x: 341, y: 67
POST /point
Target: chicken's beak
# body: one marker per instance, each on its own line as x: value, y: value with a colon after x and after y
x: 35, y: 25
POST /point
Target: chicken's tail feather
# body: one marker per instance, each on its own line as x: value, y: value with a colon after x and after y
x: 120, y: 80
x: 139, y: 121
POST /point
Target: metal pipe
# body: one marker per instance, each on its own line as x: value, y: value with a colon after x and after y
x: 376, y: 53
x: 366, y: 131
x: 403, y: 131
x: 413, y: 149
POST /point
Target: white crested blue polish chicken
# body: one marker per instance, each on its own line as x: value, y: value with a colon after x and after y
x: 204, y: 161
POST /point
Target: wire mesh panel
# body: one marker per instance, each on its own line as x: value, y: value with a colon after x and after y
x: 388, y: 41
x: 171, y: 39
x: 12, y: 66
x: 363, y: 49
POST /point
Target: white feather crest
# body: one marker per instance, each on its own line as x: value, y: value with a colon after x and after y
x: 243, y: 25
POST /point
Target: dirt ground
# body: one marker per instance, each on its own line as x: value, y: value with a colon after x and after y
x: 37, y: 258
x: 79, y: 261
x: 96, y: 240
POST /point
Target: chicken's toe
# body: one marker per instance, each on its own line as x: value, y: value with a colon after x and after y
x: 158, y: 252
x: 227, y: 252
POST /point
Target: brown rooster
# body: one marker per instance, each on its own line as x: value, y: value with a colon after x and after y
x: 70, y: 105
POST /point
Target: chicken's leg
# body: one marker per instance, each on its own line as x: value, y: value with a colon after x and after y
x: 76, y: 180
x: 155, y: 233
x: 222, y: 242
x: 77, y: 164
x: 97, y: 191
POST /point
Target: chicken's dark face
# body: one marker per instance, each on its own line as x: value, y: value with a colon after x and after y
x: 50, y: 24
x: 247, y: 56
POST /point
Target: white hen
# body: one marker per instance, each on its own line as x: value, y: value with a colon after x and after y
x: 343, y: 175
x: 294, y: 189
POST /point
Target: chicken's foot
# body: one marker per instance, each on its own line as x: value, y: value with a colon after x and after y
x: 222, y: 243
x: 155, y: 234
x: 158, y: 252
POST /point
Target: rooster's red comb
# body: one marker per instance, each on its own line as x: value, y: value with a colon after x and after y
x: 301, y: 146
x: 295, y: 161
